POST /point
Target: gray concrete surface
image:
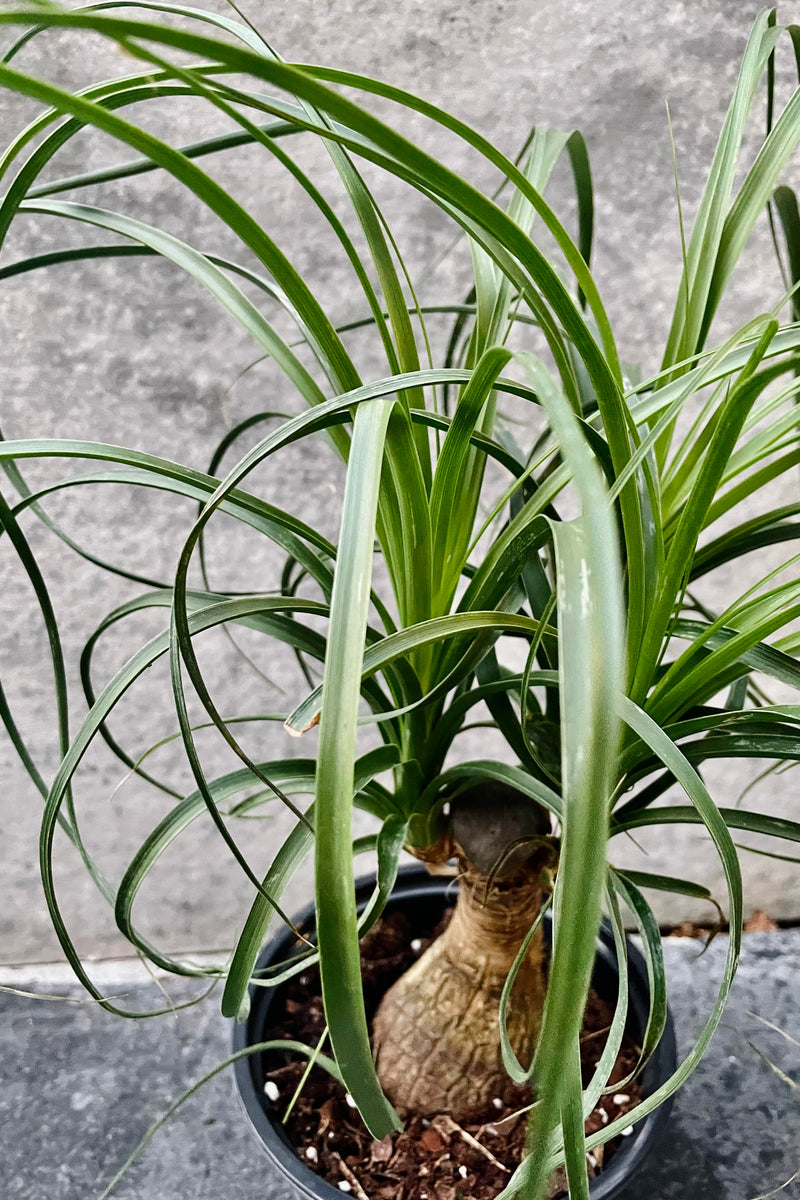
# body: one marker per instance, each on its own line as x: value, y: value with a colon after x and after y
x: 132, y: 353
x: 79, y: 1088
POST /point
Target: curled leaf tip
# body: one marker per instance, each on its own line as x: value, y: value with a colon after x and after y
x: 295, y: 732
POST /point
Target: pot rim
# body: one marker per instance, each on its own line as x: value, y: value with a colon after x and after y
x: 414, y: 883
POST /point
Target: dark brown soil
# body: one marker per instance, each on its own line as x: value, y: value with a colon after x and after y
x: 429, y: 1159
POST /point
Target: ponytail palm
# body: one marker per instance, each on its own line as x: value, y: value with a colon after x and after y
x: 541, y: 573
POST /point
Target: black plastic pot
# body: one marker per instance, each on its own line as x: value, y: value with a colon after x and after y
x: 423, y: 898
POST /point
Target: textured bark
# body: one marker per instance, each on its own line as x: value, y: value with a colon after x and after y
x: 436, y: 1033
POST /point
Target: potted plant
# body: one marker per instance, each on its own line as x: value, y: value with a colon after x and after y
x: 549, y: 570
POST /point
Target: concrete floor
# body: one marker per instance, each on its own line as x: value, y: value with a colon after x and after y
x: 80, y: 1087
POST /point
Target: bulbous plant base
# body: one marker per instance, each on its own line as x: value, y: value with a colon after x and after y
x: 436, y: 1033
x: 422, y: 899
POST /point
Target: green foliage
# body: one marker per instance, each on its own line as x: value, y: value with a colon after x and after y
x: 629, y: 682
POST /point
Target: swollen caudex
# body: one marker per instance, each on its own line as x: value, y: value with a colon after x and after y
x: 436, y: 1033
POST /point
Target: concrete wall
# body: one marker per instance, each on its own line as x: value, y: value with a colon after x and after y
x: 133, y: 353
